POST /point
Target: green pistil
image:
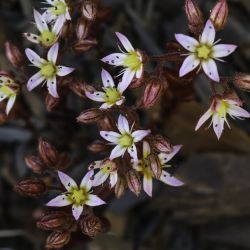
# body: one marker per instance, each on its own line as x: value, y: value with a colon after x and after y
x: 59, y: 8
x: 203, y: 52
x: 145, y: 168
x: 78, y: 196
x: 126, y: 140
x: 133, y: 61
x: 48, y: 70
x: 112, y: 95
x: 47, y: 38
x: 222, y: 109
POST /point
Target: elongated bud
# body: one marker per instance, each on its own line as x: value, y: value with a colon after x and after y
x: 55, y: 221
x: 82, y: 29
x: 84, y: 45
x: 14, y: 55
x: 98, y: 146
x: 134, y: 182
x: 48, y: 153
x: 35, y: 164
x: 162, y: 144
x: 219, y: 14
x: 152, y: 92
x: 89, y: 10
x: 91, y: 225
x: 155, y: 165
x: 107, y: 123
x: 32, y: 187
x: 195, y: 16
x: 120, y: 187
x: 57, y: 240
x: 80, y: 88
x: 90, y: 116
x: 242, y: 81
x: 51, y: 102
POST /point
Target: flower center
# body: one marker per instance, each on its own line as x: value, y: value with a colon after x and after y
x: 59, y: 8
x: 133, y: 61
x: 112, y: 95
x: 145, y: 168
x: 47, y: 38
x: 126, y: 140
x: 222, y: 109
x: 78, y: 196
x: 48, y: 70
x: 203, y: 52
x: 6, y: 90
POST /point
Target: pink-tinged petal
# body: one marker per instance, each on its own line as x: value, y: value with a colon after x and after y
x: 96, y: 96
x: 187, y: 42
x: 67, y: 15
x: 77, y: 211
x: 63, y: 71
x: 59, y: 201
x: 67, y: 181
x: 125, y: 42
x: 133, y: 152
x: 115, y: 59
x: 40, y: 22
x: 210, y: 68
x: 34, y: 58
x: 146, y: 149
x: 34, y: 81
x: 208, y: 35
x: 53, y: 53
x: 87, y: 181
x: 110, y: 136
x: 117, y: 152
x: 58, y: 24
x: 164, y: 158
x: 203, y: 119
x: 94, y: 200
x: 139, y: 72
x: 189, y: 64
x: 148, y: 185
x: 52, y: 87
x: 113, y: 179
x: 236, y: 111
x: 138, y: 135
x: 106, y: 106
x: 222, y: 50
x: 170, y: 180
x: 10, y: 104
x: 100, y: 178
x: 107, y: 79
x: 123, y: 125
x: 120, y: 102
x: 127, y: 78
x: 32, y: 37
x: 218, y: 125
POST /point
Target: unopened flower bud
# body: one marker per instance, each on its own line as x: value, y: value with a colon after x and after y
x: 35, y: 164
x: 56, y: 221
x: 219, y: 14
x: 90, y: 116
x: 107, y: 123
x: 243, y: 81
x: 120, y: 187
x: 57, y: 240
x: 84, y: 45
x: 98, y: 146
x: 89, y: 10
x: 138, y: 82
x: 48, y: 153
x: 14, y: 55
x: 155, y: 165
x: 51, y: 102
x: 134, y: 182
x: 32, y: 187
x: 82, y: 29
x: 66, y: 29
x: 80, y: 88
x: 162, y: 144
x: 195, y: 16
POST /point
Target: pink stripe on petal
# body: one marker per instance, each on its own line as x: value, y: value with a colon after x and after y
x: 107, y: 79
x: 187, y: 42
x: 210, y: 68
x: 94, y: 200
x: 59, y: 201
x: 123, y: 125
x: 77, y: 211
x: 203, y: 119
x: 222, y: 50
x: 170, y: 180
x: 189, y: 64
x: 125, y: 42
x: 67, y: 181
x: 148, y: 185
x: 208, y: 35
x: 53, y: 53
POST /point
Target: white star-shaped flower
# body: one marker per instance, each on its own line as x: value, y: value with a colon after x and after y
x: 130, y: 59
x: 204, y: 52
x: 48, y: 70
x: 218, y: 110
x: 124, y: 140
x: 75, y: 195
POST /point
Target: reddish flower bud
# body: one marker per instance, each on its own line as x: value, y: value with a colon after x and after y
x: 134, y: 182
x: 66, y: 29
x: 56, y: 221
x: 79, y: 88
x: 32, y: 187
x: 82, y: 29
x: 14, y: 55
x: 89, y: 10
x: 155, y: 165
x: 120, y: 187
x: 243, y: 81
x: 51, y: 102
x: 195, y: 16
x: 219, y: 14
x: 98, y: 147
x: 90, y: 116
x: 48, y: 153
x: 35, y: 164
x: 107, y: 123
x: 138, y: 82
x: 84, y: 45
x: 162, y: 144
x: 57, y: 240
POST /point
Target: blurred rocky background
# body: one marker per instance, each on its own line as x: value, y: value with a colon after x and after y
x: 212, y: 212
